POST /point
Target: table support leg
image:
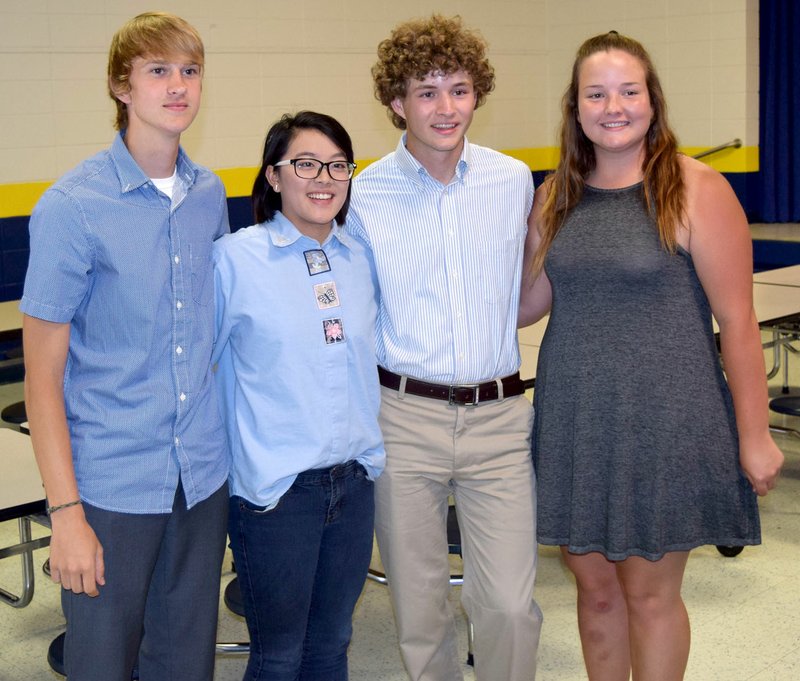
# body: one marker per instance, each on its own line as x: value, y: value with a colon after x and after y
x: 27, y: 570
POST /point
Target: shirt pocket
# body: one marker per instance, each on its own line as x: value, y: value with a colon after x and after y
x: 202, y: 280
x: 497, y: 269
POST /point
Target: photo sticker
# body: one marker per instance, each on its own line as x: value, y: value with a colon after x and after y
x: 317, y: 261
x: 334, y: 331
x: 326, y: 294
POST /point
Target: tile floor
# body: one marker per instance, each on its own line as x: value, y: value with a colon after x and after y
x: 745, y: 611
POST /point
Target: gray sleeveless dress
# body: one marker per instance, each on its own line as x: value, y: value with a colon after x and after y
x: 634, y: 439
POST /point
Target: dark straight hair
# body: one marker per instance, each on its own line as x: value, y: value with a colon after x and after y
x: 264, y: 198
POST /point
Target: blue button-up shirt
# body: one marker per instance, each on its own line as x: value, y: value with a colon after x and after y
x: 449, y: 261
x: 296, y: 349
x: 130, y: 270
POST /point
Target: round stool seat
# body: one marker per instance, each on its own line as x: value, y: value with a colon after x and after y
x: 14, y: 413
x: 55, y: 654
x: 233, y: 597
x: 55, y: 657
x: 786, y: 405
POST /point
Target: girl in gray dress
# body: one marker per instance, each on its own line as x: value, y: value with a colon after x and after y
x: 643, y: 448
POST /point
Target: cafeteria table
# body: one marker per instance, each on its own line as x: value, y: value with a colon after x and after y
x: 23, y: 499
x: 783, y: 276
x: 10, y: 318
x: 11, y: 364
x: 782, y: 286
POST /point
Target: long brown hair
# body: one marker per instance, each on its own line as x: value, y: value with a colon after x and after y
x: 662, y: 179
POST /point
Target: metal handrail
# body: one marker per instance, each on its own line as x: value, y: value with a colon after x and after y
x: 733, y: 144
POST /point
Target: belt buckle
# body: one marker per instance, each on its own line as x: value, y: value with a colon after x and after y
x: 451, y: 395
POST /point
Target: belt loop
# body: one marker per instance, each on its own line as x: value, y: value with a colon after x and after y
x: 401, y: 389
x: 499, y: 382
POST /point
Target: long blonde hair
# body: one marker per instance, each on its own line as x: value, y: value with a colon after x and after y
x: 662, y: 179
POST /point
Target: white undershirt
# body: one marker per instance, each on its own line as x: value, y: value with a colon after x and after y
x: 165, y: 184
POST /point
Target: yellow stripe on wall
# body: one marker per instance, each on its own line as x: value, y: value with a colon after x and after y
x: 742, y: 160
x: 19, y: 199
x: 536, y: 159
x: 237, y: 181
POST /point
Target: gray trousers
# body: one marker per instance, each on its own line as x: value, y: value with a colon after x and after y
x: 160, y: 601
x: 482, y: 456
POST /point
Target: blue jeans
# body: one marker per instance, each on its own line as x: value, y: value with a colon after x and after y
x: 301, y: 569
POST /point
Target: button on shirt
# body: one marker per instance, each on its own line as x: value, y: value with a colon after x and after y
x: 296, y: 355
x: 449, y: 261
x: 130, y: 270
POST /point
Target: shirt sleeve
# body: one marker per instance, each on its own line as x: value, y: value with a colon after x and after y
x: 61, y: 259
x: 529, y: 191
x: 221, y: 354
x: 224, y: 223
x: 353, y: 225
x: 222, y: 323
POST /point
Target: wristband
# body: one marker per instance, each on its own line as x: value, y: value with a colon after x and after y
x: 53, y: 509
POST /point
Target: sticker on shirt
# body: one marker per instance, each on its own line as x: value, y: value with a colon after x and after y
x: 326, y: 294
x: 334, y: 332
x: 317, y: 261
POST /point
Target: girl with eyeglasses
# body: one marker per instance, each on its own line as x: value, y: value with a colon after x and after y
x: 296, y: 306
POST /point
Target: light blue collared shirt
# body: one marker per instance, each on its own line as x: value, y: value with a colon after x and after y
x: 449, y: 261
x: 130, y: 271
x: 295, y: 349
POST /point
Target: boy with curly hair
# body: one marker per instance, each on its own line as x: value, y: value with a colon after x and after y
x: 118, y: 330
x: 446, y: 222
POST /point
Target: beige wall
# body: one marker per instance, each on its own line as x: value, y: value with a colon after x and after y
x: 266, y: 57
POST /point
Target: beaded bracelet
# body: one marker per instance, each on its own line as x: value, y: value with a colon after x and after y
x: 53, y: 509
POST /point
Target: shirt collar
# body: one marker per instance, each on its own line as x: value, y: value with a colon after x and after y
x: 131, y: 176
x: 282, y: 232
x: 415, y: 171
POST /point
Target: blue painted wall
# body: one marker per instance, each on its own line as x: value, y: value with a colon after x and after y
x: 14, y: 246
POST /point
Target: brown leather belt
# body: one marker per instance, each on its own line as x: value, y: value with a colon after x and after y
x: 462, y: 395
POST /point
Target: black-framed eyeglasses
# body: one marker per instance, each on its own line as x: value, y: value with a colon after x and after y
x: 311, y: 168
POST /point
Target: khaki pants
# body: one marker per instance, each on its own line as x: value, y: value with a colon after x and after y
x: 482, y: 456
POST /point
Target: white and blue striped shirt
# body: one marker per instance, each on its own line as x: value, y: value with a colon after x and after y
x: 449, y: 261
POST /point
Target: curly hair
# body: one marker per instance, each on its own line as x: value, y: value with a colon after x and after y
x: 151, y: 35
x: 419, y: 47
x: 663, y: 187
